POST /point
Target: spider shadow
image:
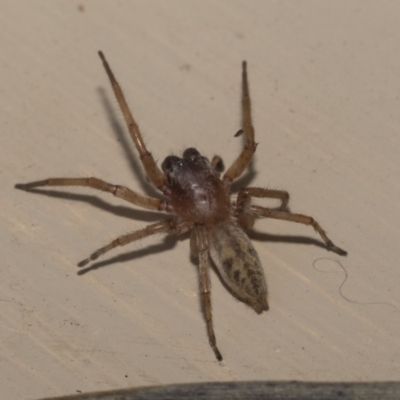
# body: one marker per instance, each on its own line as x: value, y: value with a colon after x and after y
x: 292, y: 239
x: 168, y: 243
x: 121, y: 211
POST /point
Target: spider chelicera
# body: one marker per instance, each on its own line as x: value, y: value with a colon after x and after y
x: 198, y: 199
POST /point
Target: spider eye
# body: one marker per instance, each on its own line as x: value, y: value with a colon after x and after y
x: 190, y: 153
x: 169, y: 162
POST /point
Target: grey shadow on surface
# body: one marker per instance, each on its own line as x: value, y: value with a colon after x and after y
x: 121, y: 211
x: 168, y: 243
x: 291, y: 239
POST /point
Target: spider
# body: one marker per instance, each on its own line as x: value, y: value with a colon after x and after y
x: 198, y: 200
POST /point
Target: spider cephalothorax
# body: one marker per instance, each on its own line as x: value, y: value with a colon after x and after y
x: 197, y: 194
x: 197, y: 198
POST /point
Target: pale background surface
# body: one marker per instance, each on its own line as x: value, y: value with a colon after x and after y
x: 325, y: 84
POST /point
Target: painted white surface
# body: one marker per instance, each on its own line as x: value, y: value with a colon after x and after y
x: 324, y: 80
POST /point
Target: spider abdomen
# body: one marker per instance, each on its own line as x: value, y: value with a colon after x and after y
x: 237, y: 261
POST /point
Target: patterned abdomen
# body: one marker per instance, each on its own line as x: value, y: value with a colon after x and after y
x: 239, y: 265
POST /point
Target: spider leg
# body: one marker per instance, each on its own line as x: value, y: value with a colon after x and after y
x: 246, y: 218
x: 149, y: 203
x: 149, y: 230
x: 199, y: 244
x: 245, y: 195
x: 240, y: 164
x: 299, y: 218
x: 218, y: 164
x: 154, y: 173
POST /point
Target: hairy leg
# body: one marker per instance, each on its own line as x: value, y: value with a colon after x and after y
x: 149, y: 203
x: 299, y: 218
x: 199, y: 244
x: 245, y: 195
x: 153, y: 172
x: 241, y: 163
x: 158, y: 227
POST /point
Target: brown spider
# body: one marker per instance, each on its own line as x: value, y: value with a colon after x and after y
x: 199, y: 200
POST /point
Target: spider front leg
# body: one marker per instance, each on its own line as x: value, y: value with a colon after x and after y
x: 152, y: 229
x: 299, y: 218
x: 199, y: 246
x: 241, y: 163
x: 122, y: 192
x: 156, y: 176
